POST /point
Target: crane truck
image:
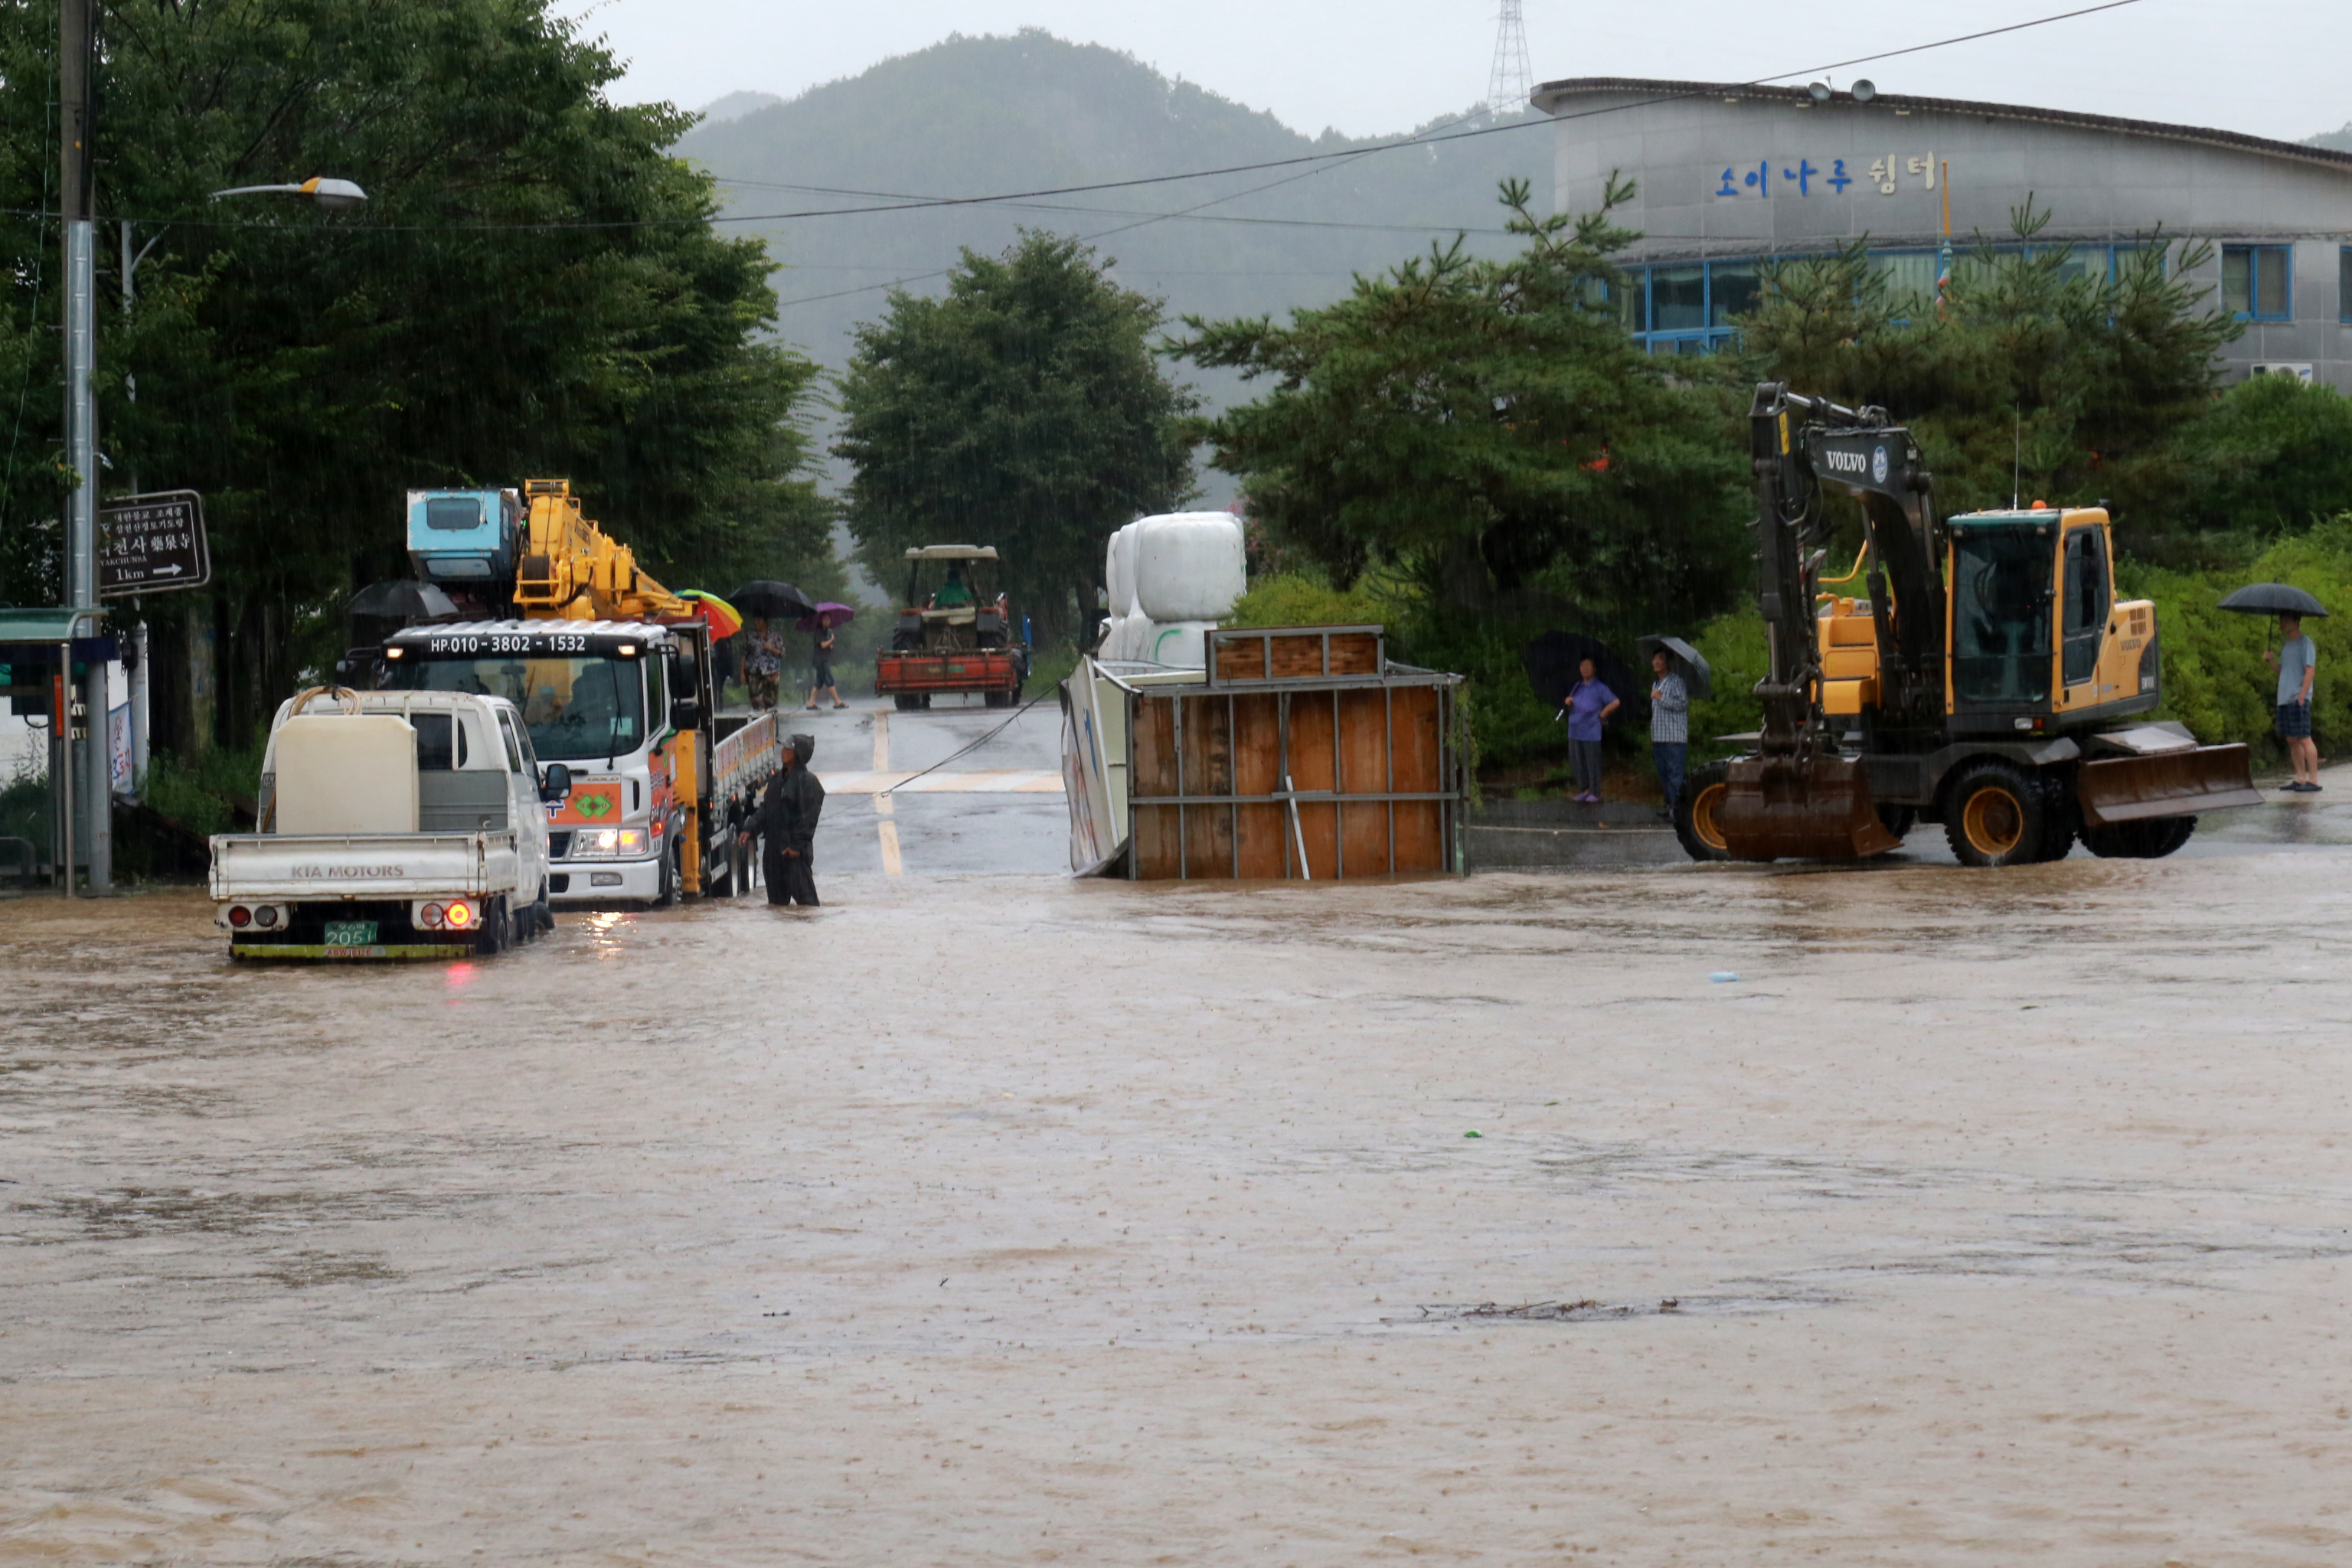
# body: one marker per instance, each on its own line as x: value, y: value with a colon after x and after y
x: 1988, y: 678
x: 611, y: 675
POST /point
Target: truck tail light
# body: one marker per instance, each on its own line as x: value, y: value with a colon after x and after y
x: 239, y: 916
x: 459, y: 915
x: 430, y: 916
x: 266, y: 916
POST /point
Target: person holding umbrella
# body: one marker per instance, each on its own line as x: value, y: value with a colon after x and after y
x: 1669, y: 728
x: 1586, y: 708
x: 2296, y: 659
x: 763, y: 662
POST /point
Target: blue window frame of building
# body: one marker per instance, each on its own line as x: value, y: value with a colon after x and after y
x: 2258, y: 281
x: 2344, y: 284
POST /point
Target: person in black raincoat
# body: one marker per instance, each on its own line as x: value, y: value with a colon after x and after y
x: 787, y: 820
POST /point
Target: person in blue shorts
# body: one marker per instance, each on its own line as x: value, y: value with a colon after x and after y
x: 2296, y: 659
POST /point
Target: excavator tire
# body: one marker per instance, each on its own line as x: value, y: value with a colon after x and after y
x: 2058, y: 821
x: 1695, y: 824
x: 2150, y: 838
x: 1996, y: 815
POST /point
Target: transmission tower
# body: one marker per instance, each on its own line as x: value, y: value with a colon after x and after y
x: 1513, y: 81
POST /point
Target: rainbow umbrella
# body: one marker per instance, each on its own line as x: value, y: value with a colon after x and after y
x: 724, y: 619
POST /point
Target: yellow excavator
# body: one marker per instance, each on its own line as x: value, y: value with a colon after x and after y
x: 1986, y: 680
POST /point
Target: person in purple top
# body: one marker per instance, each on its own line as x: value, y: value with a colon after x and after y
x: 1587, y: 707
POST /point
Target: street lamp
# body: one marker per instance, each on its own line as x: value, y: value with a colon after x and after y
x: 334, y: 196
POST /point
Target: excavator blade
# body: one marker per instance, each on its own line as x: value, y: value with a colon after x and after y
x: 1778, y: 808
x: 2168, y: 783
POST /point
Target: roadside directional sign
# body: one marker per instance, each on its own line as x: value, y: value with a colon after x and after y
x: 152, y: 543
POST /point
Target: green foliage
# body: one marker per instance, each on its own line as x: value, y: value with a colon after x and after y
x: 1306, y: 598
x: 1481, y: 422
x: 1024, y: 410
x: 2034, y: 376
x: 533, y: 289
x: 2269, y: 457
x: 1733, y: 647
x: 2215, y: 680
x: 204, y: 794
x: 1486, y: 430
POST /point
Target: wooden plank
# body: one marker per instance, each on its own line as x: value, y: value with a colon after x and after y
x: 1363, y: 769
x: 1312, y: 753
x: 1152, y: 770
x: 1418, y: 755
x: 1354, y: 653
x: 1298, y: 655
x: 1208, y: 771
x: 1257, y: 770
x: 1240, y: 656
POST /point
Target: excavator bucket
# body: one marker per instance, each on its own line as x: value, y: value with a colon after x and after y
x: 2167, y: 783
x: 1778, y: 808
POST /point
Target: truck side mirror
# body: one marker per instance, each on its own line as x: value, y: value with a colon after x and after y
x: 554, y: 783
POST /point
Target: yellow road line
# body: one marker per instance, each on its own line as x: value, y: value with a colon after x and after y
x: 885, y: 829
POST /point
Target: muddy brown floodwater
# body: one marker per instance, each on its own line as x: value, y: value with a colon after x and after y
x: 1986, y: 1218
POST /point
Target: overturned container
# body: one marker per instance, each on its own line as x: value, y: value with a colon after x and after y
x: 1295, y: 753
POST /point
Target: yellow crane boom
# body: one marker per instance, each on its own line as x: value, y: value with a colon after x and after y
x: 572, y: 570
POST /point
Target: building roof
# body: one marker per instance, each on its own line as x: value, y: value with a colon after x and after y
x: 1552, y: 94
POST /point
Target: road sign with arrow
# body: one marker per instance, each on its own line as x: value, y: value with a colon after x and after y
x: 151, y: 544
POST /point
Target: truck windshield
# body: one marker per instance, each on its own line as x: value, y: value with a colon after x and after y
x: 575, y: 708
x: 2001, y: 614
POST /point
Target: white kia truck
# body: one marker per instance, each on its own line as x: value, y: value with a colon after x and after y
x: 391, y: 825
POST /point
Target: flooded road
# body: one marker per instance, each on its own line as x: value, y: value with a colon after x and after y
x: 1983, y: 1218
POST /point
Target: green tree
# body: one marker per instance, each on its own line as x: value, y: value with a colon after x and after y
x: 2032, y: 375
x: 2269, y: 457
x: 1488, y: 430
x: 533, y: 289
x: 1024, y: 410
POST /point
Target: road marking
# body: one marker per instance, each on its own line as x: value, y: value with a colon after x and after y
x: 885, y: 829
x: 979, y: 782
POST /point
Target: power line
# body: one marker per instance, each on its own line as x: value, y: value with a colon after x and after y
x: 1428, y: 140
x: 1296, y: 162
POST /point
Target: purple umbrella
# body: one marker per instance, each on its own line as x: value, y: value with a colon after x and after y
x: 841, y: 614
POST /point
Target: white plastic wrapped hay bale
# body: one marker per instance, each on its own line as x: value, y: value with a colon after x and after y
x: 1188, y: 566
x: 1119, y: 572
x: 1179, y: 643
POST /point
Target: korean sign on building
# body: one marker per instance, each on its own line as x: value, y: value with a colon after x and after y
x: 1772, y: 177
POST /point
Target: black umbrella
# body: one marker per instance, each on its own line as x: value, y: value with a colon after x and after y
x: 1697, y: 675
x: 403, y: 601
x: 2274, y: 599
x: 772, y: 600
x: 1553, y: 660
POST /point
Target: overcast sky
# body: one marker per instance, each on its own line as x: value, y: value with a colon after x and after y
x: 2274, y: 67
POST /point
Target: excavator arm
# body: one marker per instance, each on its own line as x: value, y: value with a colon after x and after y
x: 1798, y: 796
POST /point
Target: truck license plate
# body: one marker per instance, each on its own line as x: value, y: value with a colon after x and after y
x: 350, y: 933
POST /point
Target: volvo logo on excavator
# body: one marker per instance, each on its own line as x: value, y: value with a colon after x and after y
x: 1839, y: 462
x: 1878, y: 465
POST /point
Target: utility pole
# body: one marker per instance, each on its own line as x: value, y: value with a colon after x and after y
x: 92, y: 780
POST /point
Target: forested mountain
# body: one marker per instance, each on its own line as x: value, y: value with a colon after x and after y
x: 982, y: 115
x: 2341, y: 140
